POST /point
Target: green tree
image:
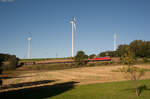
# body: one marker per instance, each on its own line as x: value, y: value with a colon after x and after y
x: 1, y: 61
x: 137, y: 46
x: 132, y: 72
x: 128, y: 57
x: 13, y: 62
x: 140, y: 48
x: 92, y: 56
x: 109, y: 53
x: 146, y: 49
x: 81, y: 58
x: 122, y: 49
x: 102, y: 54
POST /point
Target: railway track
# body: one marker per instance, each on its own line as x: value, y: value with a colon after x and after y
x: 60, y: 62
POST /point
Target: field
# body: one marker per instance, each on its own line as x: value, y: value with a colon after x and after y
x: 83, y: 75
x: 71, y: 83
x: 52, y: 60
x: 68, y: 90
x: 43, y: 59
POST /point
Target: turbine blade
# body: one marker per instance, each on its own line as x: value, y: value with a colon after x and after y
x: 74, y: 26
x: 74, y: 19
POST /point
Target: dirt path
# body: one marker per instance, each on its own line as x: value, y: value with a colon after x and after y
x: 85, y: 75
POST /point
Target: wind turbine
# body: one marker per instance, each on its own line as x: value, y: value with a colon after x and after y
x: 29, y: 47
x: 115, y: 41
x: 73, y: 22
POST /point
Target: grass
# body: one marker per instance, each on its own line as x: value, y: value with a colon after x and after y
x: 114, y: 90
x: 144, y: 69
x: 62, y: 66
x: 41, y: 59
x: 48, y: 67
x: 67, y: 90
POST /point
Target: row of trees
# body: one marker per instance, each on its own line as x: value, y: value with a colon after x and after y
x: 1, y: 60
x: 139, y: 47
x: 128, y: 54
x: 128, y: 58
x: 130, y: 71
x: 7, y: 62
x: 81, y: 58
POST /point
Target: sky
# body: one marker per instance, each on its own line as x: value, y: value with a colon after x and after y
x: 48, y: 22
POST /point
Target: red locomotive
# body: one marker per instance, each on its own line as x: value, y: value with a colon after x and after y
x: 102, y: 59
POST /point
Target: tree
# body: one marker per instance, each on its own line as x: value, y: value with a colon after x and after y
x: 122, y: 49
x: 140, y: 48
x: 132, y: 72
x: 92, y: 56
x: 128, y: 57
x: 1, y: 61
x: 13, y: 62
x: 102, y: 54
x: 146, y: 49
x: 81, y: 58
x: 137, y: 47
x: 109, y: 53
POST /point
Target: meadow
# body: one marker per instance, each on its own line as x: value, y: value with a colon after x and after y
x: 69, y: 90
x: 67, y: 81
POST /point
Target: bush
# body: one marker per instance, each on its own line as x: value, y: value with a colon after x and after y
x: 92, y: 56
x: 1, y: 61
x: 81, y: 58
x: 49, y: 67
x: 91, y: 64
x: 103, y: 63
x: 11, y: 63
x: 145, y: 60
x: 0, y: 66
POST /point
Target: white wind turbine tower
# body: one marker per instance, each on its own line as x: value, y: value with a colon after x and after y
x: 29, y: 47
x: 115, y: 41
x: 73, y: 22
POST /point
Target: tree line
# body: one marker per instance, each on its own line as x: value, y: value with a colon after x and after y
x: 139, y: 47
x: 8, y: 61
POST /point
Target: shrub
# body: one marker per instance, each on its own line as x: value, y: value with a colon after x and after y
x: 81, y: 58
x: 92, y: 56
x: 103, y: 63
x: 92, y: 64
x: 1, y: 61
x: 11, y: 63
x: 132, y: 72
x: 145, y: 60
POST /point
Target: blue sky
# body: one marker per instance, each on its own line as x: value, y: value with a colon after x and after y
x: 49, y: 23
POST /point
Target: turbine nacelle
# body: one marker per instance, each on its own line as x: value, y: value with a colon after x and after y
x: 29, y: 38
x: 71, y: 22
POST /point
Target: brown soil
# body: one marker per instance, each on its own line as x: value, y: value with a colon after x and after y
x: 84, y: 75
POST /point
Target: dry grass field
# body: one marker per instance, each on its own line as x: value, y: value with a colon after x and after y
x: 83, y: 75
